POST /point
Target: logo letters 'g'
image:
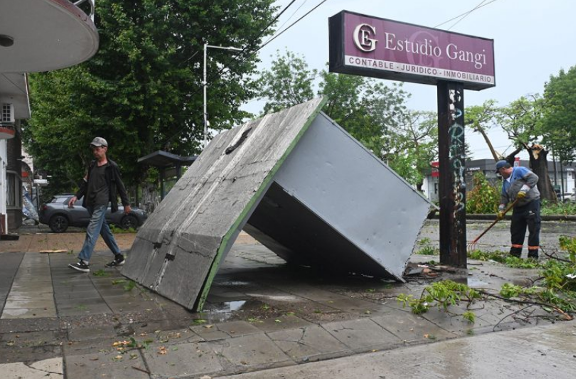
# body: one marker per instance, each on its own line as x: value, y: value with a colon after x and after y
x: 362, y: 39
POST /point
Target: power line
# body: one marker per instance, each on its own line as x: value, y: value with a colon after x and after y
x: 294, y: 23
x: 465, y: 14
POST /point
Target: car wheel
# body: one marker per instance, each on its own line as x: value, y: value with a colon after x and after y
x: 58, y: 223
x: 128, y: 222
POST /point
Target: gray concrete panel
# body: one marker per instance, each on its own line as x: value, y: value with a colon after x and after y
x: 178, y: 251
x: 356, y: 194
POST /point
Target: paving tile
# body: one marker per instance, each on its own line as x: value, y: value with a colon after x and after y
x: 411, y: 328
x: 28, y: 313
x: 29, y: 339
x: 113, y: 364
x: 11, y: 354
x: 254, y: 351
x: 209, y: 332
x: 281, y: 323
x: 81, y: 310
x: 182, y: 360
x: 308, y: 344
x: 46, y: 369
x: 33, y: 303
x: 362, y: 334
x: 87, y: 334
x: 237, y: 328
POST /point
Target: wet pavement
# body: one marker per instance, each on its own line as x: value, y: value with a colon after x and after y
x: 261, y: 314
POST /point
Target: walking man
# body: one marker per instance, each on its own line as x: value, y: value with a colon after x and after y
x: 101, y: 186
x: 519, y: 185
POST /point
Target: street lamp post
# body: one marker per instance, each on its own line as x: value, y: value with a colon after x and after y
x: 204, y: 84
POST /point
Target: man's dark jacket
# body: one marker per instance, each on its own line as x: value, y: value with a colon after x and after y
x: 113, y: 181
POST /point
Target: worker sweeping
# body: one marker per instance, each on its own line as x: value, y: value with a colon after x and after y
x: 519, y: 183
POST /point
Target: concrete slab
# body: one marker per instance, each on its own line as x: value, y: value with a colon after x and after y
x: 183, y: 242
x: 44, y: 369
x: 362, y: 335
x: 87, y: 334
x: 181, y: 360
x: 532, y: 353
x: 282, y: 322
x: 309, y: 344
x: 238, y: 328
x: 412, y: 329
x: 254, y: 351
x: 113, y: 364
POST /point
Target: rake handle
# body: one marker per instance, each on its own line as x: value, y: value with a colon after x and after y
x: 495, y: 221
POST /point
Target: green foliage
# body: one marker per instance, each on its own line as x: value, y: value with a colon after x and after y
x: 443, y: 294
x: 295, y: 87
x: 142, y: 91
x: 101, y: 273
x: 484, y: 197
x: 554, y: 208
x: 504, y: 258
x: 116, y: 229
x: 559, y: 289
x: 426, y: 248
x: 470, y: 316
x: 559, y: 120
x: 413, y: 145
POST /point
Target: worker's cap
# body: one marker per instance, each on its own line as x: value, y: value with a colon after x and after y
x: 99, y: 141
x: 502, y: 164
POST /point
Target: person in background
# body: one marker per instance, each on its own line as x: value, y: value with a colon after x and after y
x: 519, y: 185
x: 101, y: 186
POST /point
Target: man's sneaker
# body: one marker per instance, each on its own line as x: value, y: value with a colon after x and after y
x: 80, y: 266
x: 118, y: 261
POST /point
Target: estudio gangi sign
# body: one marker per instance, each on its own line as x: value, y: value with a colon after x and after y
x: 369, y: 46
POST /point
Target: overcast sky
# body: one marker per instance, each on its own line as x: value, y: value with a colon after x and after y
x: 533, y: 39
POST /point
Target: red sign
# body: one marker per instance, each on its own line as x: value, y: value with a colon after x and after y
x: 435, y: 167
x: 370, y: 46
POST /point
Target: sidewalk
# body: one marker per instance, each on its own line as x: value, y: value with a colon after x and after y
x: 261, y: 314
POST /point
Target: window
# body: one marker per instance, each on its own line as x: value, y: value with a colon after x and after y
x: 12, y: 193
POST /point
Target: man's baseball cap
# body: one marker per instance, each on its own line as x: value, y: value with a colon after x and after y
x: 99, y: 141
x: 501, y: 164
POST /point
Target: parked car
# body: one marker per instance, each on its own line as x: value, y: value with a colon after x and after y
x: 59, y: 216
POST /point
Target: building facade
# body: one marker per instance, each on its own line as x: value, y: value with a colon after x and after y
x: 35, y: 36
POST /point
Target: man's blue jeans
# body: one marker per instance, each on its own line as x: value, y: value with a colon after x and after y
x: 97, y: 226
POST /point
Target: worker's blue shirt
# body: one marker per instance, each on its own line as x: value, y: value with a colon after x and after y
x: 517, y: 173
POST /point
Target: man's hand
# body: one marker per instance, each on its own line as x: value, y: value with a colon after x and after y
x: 500, y: 214
x: 127, y: 209
x: 72, y: 201
x: 523, y: 191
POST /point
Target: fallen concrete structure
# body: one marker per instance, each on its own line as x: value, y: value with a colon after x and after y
x: 296, y: 182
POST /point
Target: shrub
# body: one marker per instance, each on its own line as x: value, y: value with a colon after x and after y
x: 484, y: 197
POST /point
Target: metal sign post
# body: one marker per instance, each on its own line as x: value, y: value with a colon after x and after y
x: 452, y: 184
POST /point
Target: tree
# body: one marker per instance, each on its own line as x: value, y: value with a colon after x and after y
x: 143, y: 89
x: 366, y: 108
x: 414, y: 146
x: 559, y: 115
x: 480, y: 118
x: 288, y: 82
x: 522, y: 120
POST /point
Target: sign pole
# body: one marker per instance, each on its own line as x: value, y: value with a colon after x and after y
x: 452, y: 183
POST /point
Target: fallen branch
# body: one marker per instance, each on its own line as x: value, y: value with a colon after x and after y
x: 141, y: 369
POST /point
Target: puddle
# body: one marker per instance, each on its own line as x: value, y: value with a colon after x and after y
x: 473, y: 282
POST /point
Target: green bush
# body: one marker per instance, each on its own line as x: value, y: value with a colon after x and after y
x: 484, y: 197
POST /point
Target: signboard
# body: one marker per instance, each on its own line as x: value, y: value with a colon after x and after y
x: 381, y: 48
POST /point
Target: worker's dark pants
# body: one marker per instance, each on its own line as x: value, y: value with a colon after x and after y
x: 526, y: 215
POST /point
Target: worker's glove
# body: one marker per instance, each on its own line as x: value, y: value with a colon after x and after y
x: 501, y: 209
x: 523, y: 191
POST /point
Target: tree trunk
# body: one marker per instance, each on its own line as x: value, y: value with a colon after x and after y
x: 539, y: 165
